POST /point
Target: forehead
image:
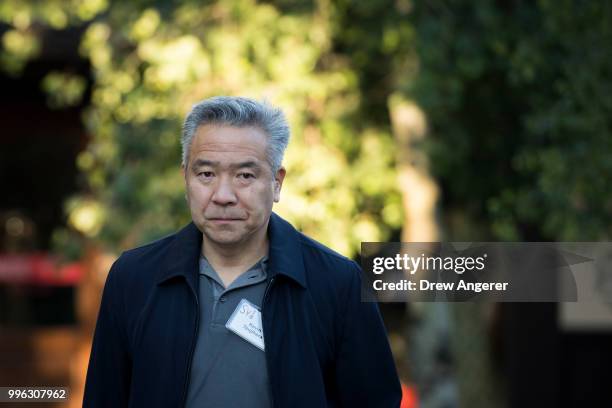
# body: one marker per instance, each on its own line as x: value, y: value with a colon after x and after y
x: 234, y: 141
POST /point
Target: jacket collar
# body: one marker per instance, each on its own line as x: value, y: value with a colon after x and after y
x: 285, y: 256
x: 285, y: 250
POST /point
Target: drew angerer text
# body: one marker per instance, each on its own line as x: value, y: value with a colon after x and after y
x: 425, y: 285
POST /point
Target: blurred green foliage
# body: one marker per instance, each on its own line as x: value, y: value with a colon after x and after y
x: 517, y: 96
x: 519, y: 100
x: 152, y: 60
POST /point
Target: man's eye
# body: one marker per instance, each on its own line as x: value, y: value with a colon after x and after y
x: 246, y: 176
x: 205, y: 174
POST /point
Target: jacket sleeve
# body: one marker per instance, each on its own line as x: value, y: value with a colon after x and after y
x: 109, y: 371
x: 365, y: 371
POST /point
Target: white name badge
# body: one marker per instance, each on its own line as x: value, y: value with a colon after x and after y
x: 245, y: 321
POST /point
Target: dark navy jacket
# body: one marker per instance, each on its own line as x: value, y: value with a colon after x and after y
x: 324, y: 347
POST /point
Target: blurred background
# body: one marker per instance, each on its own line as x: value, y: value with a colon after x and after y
x: 411, y: 120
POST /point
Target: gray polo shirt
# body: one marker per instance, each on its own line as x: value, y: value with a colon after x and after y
x: 226, y: 370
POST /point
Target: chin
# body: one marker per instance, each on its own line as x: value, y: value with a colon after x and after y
x: 223, y: 238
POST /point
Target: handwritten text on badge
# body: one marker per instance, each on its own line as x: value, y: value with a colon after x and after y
x: 245, y: 321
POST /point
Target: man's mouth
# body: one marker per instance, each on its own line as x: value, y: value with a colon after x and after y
x: 223, y: 219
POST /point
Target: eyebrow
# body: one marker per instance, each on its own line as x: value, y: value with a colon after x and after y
x: 208, y: 163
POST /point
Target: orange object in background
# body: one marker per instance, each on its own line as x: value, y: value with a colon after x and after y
x: 409, y: 397
x: 53, y: 355
x: 38, y: 268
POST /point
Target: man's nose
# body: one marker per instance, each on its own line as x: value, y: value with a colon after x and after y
x: 224, y: 192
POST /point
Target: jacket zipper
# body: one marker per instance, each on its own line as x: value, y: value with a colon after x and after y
x: 263, y: 305
x: 192, y: 347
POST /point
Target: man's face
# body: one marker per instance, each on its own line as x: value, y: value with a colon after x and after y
x: 230, y: 185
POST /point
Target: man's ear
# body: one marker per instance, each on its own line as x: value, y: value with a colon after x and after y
x: 278, y: 183
x: 184, y: 174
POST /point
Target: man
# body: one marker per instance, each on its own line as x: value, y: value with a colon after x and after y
x: 237, y: 309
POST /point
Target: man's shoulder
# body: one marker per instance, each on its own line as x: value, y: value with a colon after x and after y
x: 148, y: 252
x: 325, y: 262
x: 150, y: 249
x: 331, y: 278
x: 142, y: 263
x: 310, y: 245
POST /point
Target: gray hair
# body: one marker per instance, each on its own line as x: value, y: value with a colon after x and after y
x: 239, y: 112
